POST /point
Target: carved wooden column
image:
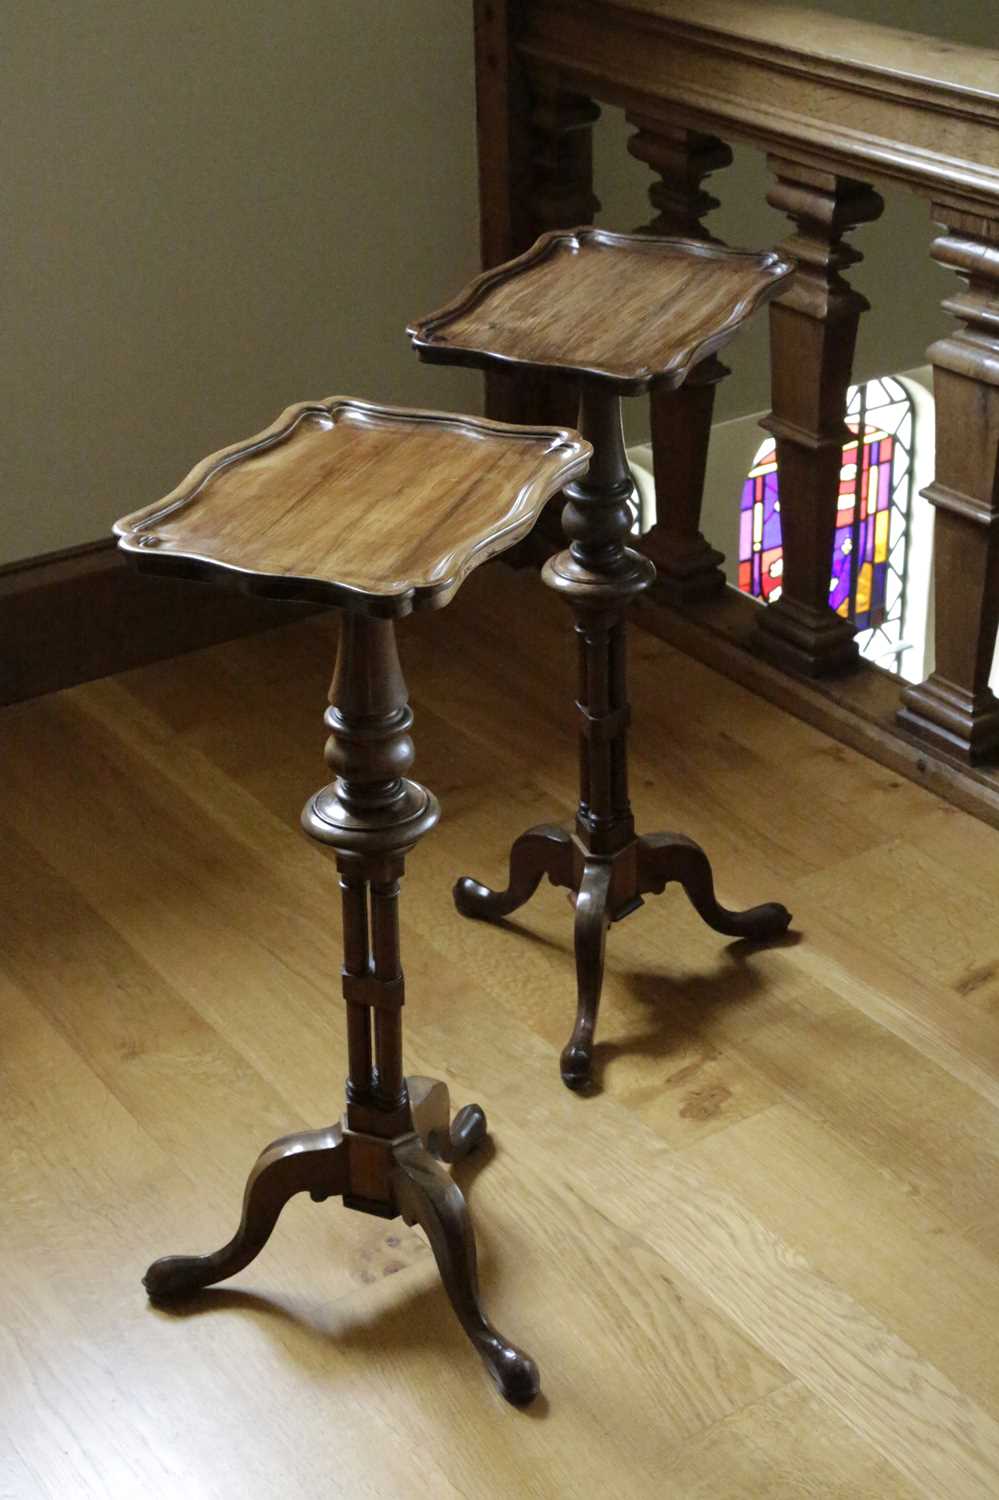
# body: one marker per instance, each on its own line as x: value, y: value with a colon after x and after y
x: 813, y: 332
x: 954, y: 708
x: 688, y: 566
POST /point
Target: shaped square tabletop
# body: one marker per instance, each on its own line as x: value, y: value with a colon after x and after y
x: 636, y: 310
x: 377, y: 508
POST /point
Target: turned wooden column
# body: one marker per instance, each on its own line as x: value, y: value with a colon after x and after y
x: 378, y: 814
x: 813, y: 328
x: 954, y: 709
x: 600, y: 576
x: 688, y: 567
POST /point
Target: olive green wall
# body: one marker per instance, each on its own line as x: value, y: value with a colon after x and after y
x: 215, y: 209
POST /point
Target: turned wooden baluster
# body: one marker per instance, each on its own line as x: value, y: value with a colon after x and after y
x: 688, y: 567
x: 813, y: 328
x: 954, y: 709
x: 370, y: 751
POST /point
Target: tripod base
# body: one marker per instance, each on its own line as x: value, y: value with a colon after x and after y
x: 384, y: 1176
x: 607, y: 888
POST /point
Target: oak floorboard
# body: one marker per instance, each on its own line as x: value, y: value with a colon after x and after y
x: 872, y: 1235
x: 761, y: 1260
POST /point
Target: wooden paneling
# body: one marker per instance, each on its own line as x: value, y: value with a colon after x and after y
x: 69, y: 617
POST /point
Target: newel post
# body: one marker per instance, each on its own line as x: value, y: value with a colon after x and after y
x: 688, y: 567
x: 954, y: 709
x: 813, y: 330
x: 560, y: 196
x: 535, y: 145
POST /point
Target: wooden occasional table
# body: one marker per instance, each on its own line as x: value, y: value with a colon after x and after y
x: 623, y: 314
x: 378, y: 511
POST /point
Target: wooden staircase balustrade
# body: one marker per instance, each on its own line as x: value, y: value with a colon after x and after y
x: 841, y: 108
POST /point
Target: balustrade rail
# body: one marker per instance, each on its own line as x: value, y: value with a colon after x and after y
x: 837, y: 106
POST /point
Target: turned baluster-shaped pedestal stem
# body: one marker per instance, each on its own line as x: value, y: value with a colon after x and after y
x: 603, y: 863
x: 385, y: 1157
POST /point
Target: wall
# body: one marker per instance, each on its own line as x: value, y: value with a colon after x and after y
x: 214, y: 210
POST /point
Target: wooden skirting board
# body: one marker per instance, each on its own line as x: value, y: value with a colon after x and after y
x: 71, y: 616
x: 858, y: 708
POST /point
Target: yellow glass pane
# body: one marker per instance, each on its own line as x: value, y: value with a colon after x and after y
x: 881, y: 535
x: 864, y: 579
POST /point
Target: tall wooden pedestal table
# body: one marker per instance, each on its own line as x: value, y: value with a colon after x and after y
x: 378, y: 511
x: 624, y: 314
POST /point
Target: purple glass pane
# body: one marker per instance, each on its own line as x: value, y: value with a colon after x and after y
x: 771, y: 515
x: 840, y: 573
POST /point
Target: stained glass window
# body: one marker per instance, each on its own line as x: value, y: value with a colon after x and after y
x: 867, y: 568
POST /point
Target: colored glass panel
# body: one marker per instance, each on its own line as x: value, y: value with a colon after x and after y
x: 867, y: 573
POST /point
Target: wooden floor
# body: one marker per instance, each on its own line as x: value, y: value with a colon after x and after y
x: 763, y: 1261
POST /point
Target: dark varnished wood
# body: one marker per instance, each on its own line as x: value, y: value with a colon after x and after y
x: 535, y: 173
x: 313, y: 1161
x: 337, y: 1162
x: 666, y: 857
x: 688, y: 567
x: 559, y: 192
x: 427, y: 1196
x: 606, y: 866
x: 67, y: 617
x: 384, y: 509
x: 449, y: 1139
x: 545, y: 850
x: 589, y: 935
x: 954, y: 709
x: 384, y: 1158
x: 633, y: 309
x: 813, y: 331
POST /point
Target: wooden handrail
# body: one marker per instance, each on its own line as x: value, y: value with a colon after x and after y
x: 815, y: 41
x: 864, y: 98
